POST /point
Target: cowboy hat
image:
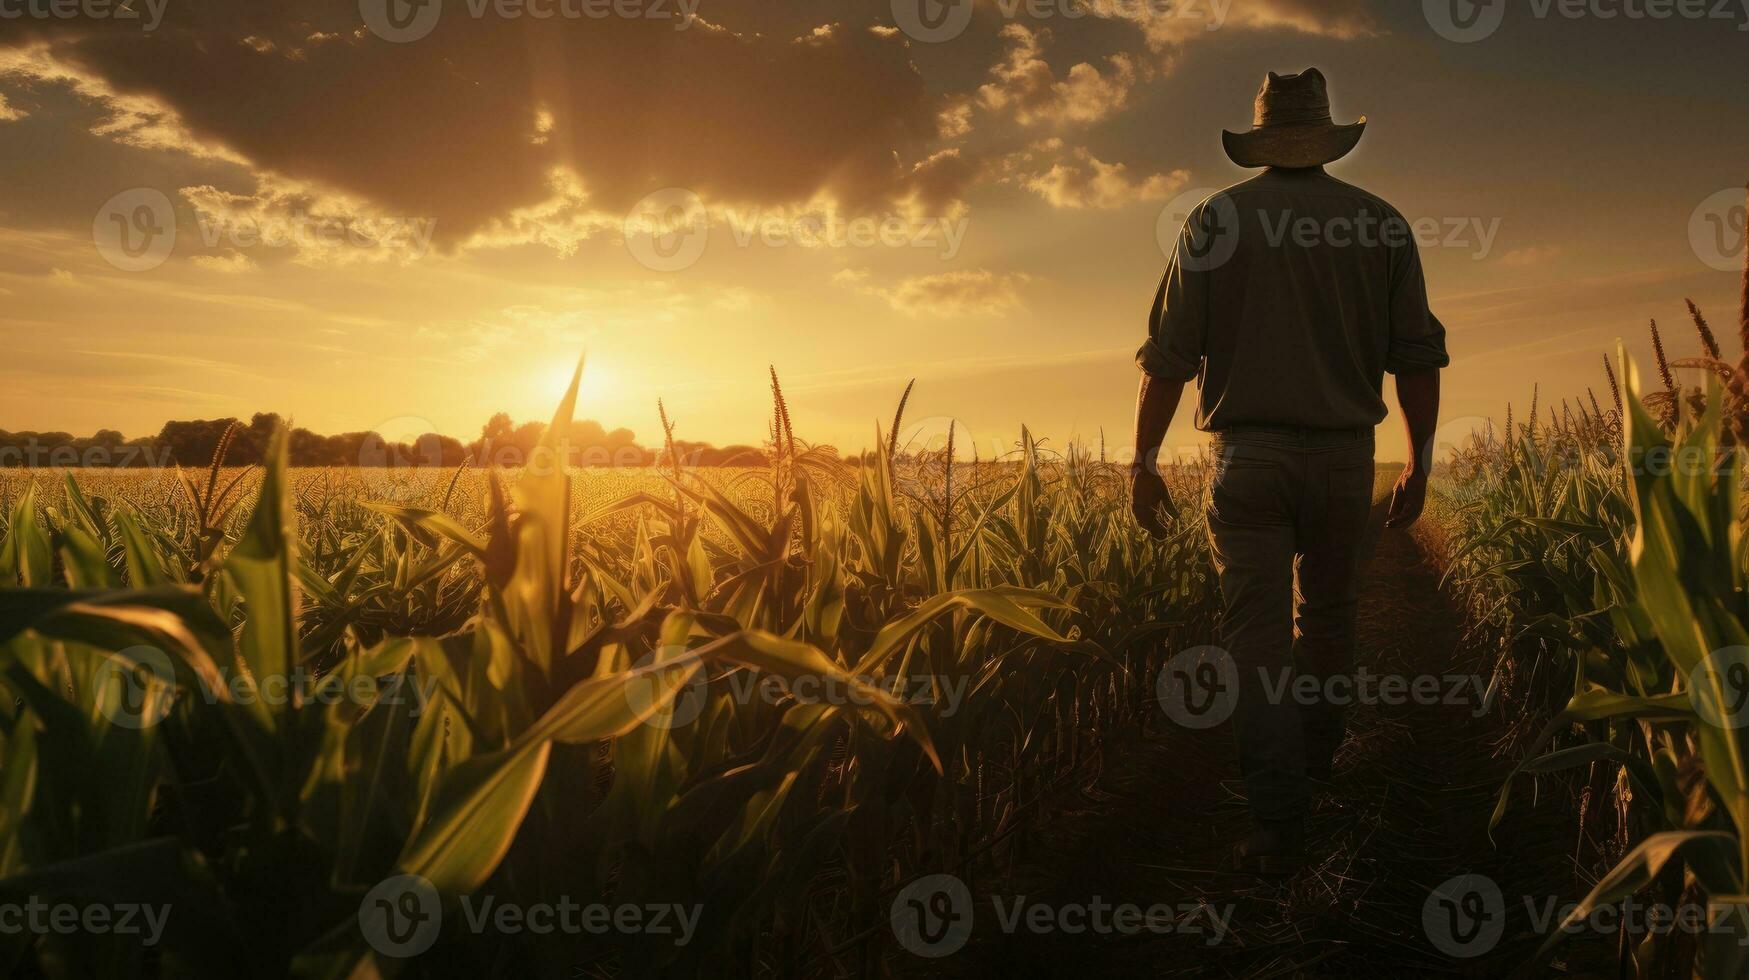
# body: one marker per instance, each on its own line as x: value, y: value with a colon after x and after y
x: 1292, y: 126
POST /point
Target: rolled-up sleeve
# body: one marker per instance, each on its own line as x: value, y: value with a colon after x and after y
x: 1417, y: 337
x: 1178, y: 325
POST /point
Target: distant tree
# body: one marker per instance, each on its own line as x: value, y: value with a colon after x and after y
x: 249, y: 446
x: 306, y: 448
x: 705, y: 454
x: 502, y: 442
x: 496, y: 430
x: 527, y: 436
x: 192, y: 443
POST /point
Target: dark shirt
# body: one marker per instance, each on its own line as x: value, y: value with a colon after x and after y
x: 1288, y: 297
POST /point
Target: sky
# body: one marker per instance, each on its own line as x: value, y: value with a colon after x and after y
x: 376, y: 215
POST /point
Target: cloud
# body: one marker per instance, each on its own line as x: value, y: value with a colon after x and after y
x: 233, y: 262
x: 966, y: 292
x: 1072, y: 177
x: 167, y: 394
x: 734, y: 299
x: 126, y: 118
x: 468, y: 124
x: 76, y: 150
x: 1520, y: 258
x: 309, y: 227
x: 502, y: 134
x: 147, y: 360
x: 1342, y: 19
x: 1025, y: 86
x: 1181, y: 23
x: 938, y: 182
x: 955, y: 119
x: 1089, y: 182
x: 561, y: 221
x: 519, y: 327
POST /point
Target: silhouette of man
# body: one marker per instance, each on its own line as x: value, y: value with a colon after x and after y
x: 1287, y: 299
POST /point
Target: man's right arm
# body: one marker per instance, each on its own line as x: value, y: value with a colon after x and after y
x: 1415, y: 357
x: 1169, y: 359
x: 1178, y: 322
x: 1418, y: 398
x: 1156, y: 403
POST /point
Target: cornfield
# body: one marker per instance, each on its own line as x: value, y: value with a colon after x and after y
x: 284, y: 703
x: 1604, y: 549
x: 764, y: 697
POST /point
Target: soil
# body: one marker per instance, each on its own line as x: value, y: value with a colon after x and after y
x: 1407, y: 811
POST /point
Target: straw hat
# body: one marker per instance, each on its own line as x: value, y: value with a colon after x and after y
x: 1292, y: 126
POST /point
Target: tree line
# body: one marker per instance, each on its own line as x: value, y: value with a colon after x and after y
x: 502, y: 442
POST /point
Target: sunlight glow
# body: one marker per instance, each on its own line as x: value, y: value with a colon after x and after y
x: 597, y: 389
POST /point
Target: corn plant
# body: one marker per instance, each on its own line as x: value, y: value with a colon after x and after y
x: 582, y: 729
x: 1608, y: 550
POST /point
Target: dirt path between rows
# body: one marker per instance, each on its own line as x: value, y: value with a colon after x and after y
x: 1413, y: 791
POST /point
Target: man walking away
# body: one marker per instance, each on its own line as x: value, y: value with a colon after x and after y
x: 1287, y: 299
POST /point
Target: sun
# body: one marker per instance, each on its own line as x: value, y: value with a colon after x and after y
x: 532, y: 391
x: 596, y: 390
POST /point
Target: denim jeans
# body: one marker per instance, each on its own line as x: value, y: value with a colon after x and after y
x: 1287, y: 514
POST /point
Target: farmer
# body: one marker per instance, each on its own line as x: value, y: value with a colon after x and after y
x: 1287, y: 299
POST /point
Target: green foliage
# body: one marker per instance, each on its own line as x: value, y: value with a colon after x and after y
x: 769, y: 694
x: 1610, y: 553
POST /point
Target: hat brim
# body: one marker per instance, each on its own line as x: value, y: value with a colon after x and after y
x: 1292, y: 146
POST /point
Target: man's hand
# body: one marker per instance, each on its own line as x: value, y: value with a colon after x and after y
x: 1149, y: 498
x: 1155, y: 404
x: 1407, y: 498
x: 1418, y: 396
